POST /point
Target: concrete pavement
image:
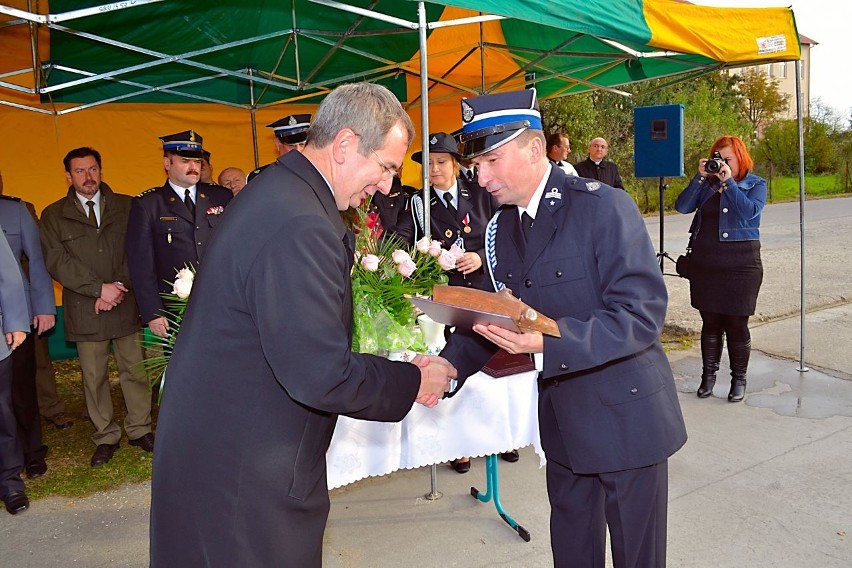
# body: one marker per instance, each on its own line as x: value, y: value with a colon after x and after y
x: 763, y: 483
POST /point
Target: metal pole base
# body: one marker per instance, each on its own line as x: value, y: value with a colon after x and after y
x: 493, y: 492
x: 434, y: 494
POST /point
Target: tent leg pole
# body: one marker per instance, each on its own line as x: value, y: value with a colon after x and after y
x: 424, y: 118
x: 802, y: 368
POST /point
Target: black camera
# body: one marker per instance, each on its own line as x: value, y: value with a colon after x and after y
x: 714, y: 164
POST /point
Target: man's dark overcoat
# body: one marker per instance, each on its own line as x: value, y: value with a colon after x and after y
x: 261, y: 369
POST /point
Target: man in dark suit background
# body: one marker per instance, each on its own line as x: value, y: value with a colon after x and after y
x: 596, y: 166
x: 578, y: 251
x: 170, y: 226
x: 291, y: 132
x: 14, y: 327
x: 263, y: 365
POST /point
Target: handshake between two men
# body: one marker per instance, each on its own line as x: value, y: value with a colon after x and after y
x: 435, y: 375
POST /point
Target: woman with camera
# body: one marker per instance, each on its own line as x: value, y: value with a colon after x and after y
x: 725, y: 271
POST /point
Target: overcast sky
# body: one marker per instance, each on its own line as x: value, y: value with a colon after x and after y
x: 829, y: 23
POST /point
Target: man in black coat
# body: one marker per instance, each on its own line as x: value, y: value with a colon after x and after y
x: 578, y: 251
x: 170, y: 226
x: 596, y: 166
x: 263, y: 364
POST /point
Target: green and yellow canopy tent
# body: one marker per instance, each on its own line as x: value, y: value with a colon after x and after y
x: 118, y: 75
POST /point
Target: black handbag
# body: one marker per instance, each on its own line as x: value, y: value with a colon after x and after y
x: 682, y: 264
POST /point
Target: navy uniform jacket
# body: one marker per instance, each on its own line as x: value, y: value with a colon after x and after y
x: 162, y: 239
x: 393, y: 206
x: 22, y: 233
x: 475, y: 208
x: 606, y: 172
x: 590, y: 265
x: 240, y: 473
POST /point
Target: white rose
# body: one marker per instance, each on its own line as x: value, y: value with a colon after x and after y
x: 447, y: 260
x: 457, y: 251
x: 183, y: 284
x: 435, y: 248
x: 423, y: 245
x: 370, y: 262
x: 399, y: 256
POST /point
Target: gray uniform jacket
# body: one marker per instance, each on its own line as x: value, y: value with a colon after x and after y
x: 22, y: 233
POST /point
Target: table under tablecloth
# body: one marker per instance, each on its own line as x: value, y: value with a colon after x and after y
x: 488, y: 416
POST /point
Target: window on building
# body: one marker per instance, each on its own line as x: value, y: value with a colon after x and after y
x: 770, y: 71
x: 782, y: 70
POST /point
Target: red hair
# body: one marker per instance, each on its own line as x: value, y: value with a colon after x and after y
x: 739, y: 149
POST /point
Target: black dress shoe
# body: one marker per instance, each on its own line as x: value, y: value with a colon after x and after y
x: 146, y: 442
x: 61, y: 421
x: 511, y: 457
x: 16, y: 502
x: 36, y: 468
x: 103, y: 453
x: 460, y: 466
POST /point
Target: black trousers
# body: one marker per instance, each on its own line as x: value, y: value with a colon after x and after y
x: 632, y: 502
x: 25, y: 399
x: 11, y: 457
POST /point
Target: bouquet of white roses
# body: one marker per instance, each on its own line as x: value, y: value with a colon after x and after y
x: 385, y: 273
x: 174, y: 304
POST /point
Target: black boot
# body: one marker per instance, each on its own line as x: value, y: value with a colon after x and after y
x: 739, y: 353
x: 711, y: 352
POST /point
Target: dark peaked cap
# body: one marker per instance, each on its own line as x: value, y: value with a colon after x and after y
x: 439, y: 142
x: 492, y: 120
x: 292, y: 129
x: 186, y: 144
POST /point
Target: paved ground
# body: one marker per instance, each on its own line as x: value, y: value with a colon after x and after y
x: 765, y: 483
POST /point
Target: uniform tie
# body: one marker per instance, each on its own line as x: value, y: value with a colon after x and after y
x: 93, y: 219
x: 187, y: 199
x: 526, y: 225
x: 448, y: 197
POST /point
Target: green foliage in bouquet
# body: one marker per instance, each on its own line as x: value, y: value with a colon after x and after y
x: 160, y: 348
x: 385, y: 273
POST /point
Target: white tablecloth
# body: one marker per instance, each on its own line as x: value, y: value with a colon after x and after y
x: 488, y: 416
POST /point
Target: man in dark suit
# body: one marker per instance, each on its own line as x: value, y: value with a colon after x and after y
x: 596, y: 166
x: 14, y: 327
x: 23, y: 237
x: 577, y: 251
x: 83, y: 238
x: 263, y: 366
x: 170, y: 226
x: 291, y: 132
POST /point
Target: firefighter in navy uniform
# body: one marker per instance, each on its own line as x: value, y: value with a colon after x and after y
x: 393, y: 207
x: 169, y: 226
x: 291, y: 133
x: 459, y: 212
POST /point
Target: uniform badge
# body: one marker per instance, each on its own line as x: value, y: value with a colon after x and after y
x: 192, y: 136
x: 593, y: 185
x: 467, y: 228
x: 467, y: 111
x: 434, y: 140
x: 203, y: 196
x: 292, y: 121
x: 171, y: 199
x: 168, y: 218
x: 169, y: 238
x: 448, y: 233
x: 554, y: 193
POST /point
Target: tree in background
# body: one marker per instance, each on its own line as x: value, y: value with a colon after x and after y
x: 761, y: 99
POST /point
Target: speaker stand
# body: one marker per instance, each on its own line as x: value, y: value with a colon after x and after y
x: 663, y: 255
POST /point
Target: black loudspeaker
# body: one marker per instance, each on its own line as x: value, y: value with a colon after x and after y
x: 658, y: 141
